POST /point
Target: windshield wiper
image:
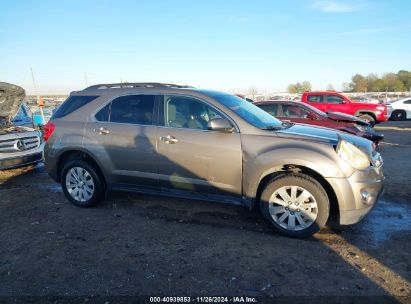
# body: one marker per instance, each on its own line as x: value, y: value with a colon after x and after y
x: 272, y: 128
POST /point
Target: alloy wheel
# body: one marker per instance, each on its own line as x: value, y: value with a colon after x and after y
x: 79, y: 184
x: 293, y: 208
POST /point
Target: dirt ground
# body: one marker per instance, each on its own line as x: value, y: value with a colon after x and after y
x: 146, y: 245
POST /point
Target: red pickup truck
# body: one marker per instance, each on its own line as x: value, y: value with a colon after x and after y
x: 335, y: 102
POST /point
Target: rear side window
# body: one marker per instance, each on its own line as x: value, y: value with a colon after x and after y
x: 271, y: 109
x: 133, y: 109
x: 407, y: 101
x: 315, y: 98
x: 72, y: 104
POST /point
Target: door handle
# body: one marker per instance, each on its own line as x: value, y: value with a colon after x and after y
x: 101, y: 131
x: 169, y: 139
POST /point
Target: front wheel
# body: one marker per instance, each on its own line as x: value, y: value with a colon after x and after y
x: 81, y: 183
x: 295, y: 205
x: 368, y: 118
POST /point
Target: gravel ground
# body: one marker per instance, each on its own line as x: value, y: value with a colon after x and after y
x: 147, y: 245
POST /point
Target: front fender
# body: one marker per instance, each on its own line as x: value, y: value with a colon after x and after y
x: 325, y: 163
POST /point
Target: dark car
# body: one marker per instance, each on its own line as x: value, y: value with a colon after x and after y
x: 299, y: 112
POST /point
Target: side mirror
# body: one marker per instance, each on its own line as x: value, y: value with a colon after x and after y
x: 220, y: 124
x: 311, y: 116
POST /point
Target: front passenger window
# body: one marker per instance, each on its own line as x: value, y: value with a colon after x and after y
x: 188, y: 113
x: 334, y: 99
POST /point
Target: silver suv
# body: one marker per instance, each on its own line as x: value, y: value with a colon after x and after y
x: 180, y: 141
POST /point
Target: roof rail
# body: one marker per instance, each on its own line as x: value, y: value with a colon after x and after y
x: 136, y: 85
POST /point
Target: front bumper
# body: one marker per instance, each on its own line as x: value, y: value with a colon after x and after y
x: 20, y: 161
x: 357, y: 194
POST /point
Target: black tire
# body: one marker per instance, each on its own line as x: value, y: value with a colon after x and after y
x: 99, y: 186
x: 369, y: 118
x: 398, y: 115
x: 307, y: 183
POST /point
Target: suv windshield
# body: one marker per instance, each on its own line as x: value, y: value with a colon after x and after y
x: 249, y: 112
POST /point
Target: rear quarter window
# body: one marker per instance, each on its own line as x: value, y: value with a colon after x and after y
x: 271, y: 109
x: 72, y: 104
x: 315, y: 98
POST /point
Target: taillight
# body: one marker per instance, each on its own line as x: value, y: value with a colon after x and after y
x: 48, y: 130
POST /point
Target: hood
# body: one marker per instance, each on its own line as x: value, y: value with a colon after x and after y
x: 325, y: 135
x: 346, y: 118
x: 11, y: 97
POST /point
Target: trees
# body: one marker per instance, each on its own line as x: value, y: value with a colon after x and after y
x: 389, y: 82
x: 298, y: 87
x: 359, y: 83
x: 405, y: 77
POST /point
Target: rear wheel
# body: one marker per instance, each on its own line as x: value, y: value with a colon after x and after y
x: 399, y: 115
x: 368, y: 118
x: 81, y: 183
x: 295, y: 205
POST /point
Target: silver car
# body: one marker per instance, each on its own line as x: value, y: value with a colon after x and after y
x: 180, y: 141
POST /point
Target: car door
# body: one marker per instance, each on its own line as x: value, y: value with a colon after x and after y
x: 335, y: 103
x: 127, y: 132
x: 407, y: 107
x: 192, y: 159
x: 295, y: 113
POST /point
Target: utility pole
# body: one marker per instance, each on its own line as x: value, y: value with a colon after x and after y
x: 34, y: 82
x: 85, y: 79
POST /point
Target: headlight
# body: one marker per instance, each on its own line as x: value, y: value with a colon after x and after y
x: 381, y: 108
x: 352, y: 155
x: 40, y: 135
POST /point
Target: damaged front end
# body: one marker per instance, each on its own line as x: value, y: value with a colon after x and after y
x: 11, y: 98
x: 19, y: 146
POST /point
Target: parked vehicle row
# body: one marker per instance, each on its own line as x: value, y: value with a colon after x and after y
x: 335, y: 102
x: 176, y: 141
x: 298, y: 112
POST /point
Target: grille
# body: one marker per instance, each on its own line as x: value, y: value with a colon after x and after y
x: 19, y: 144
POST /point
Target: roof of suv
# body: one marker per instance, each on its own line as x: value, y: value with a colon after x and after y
x: 110, y: 88
x: 127, y: 85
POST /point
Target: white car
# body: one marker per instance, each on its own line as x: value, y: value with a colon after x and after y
x: 400, y: 109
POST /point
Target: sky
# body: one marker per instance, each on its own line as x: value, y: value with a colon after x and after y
x: 229, y: 45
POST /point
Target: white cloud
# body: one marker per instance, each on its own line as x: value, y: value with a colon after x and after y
x: 333, y: 6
